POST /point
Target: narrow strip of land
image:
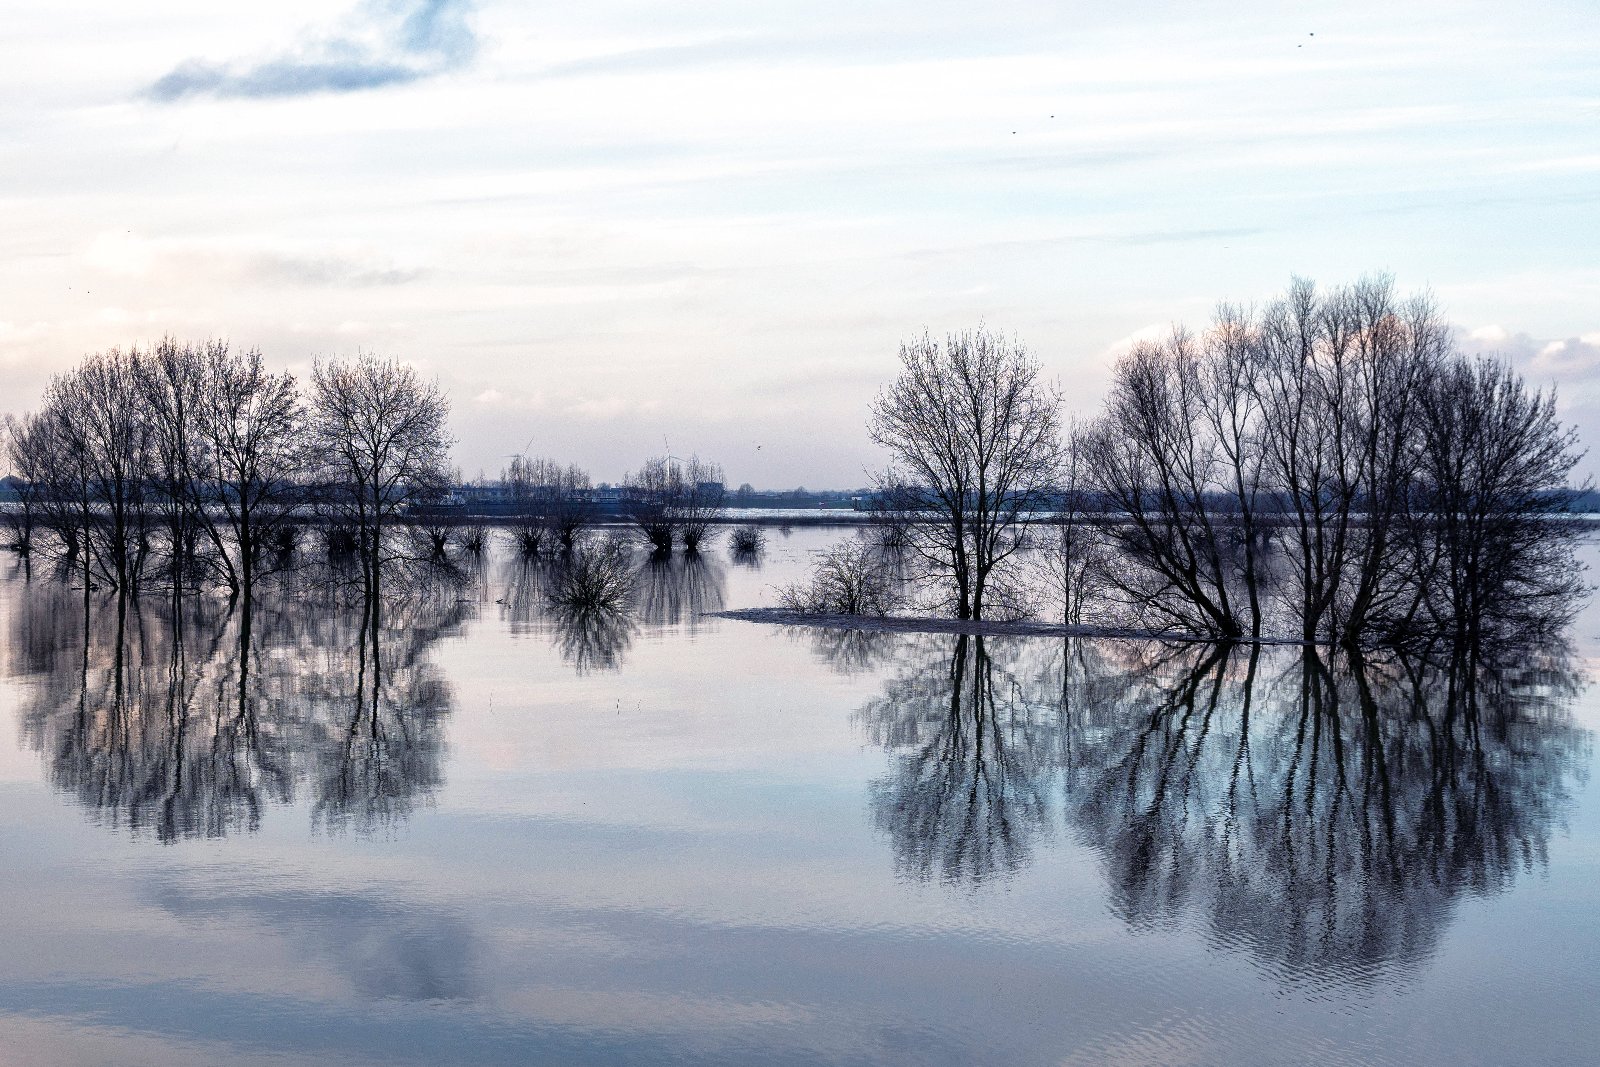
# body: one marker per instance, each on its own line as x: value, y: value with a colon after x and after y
x: 982, y: 627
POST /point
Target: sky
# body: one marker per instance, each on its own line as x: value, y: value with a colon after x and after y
x: 611, y: 230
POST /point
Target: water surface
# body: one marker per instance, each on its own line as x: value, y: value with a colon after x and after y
x: 505, y: 835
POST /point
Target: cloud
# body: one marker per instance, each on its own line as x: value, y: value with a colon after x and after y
x: 1570, y: 360
x: 382, y: 42
x: 127, y: 255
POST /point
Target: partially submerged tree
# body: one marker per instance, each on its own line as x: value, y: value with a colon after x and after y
x: 381, y: 435
x: 100, y: 442
x: 552, y: 503
x: 26, y: 457
x: 1346, y: 426
x: 699, y: 503
x: 1156, y: 460
x: 252, y: 424
x: 1496, y: 536
x: 973, y: 435
x: 672, y: 499
x: 650, y: 493
x: 230, y: 445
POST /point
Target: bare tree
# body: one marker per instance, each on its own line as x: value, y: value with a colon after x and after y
x: 100, y: 437
x: 1397, y: 348
x: 253, y: 429
x: 699, y: 500
x: 849, y: 578
x: 673, y: 499
x: 1394, y: 469
x: 1339, y: 379
x: 649, y: 501
x: 1495, y: 465
x: 22, y: 446
x: 381, y: 437
x: 973, y: 436
x: 1309, y: 439
x: 553, y: 503
x: 170, y: 382
x: 1153, y: 457
x: 57, y: 491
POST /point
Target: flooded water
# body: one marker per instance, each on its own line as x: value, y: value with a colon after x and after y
x: 510, y: 836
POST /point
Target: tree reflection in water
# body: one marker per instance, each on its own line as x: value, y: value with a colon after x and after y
x: 592, y: 638
x: 667, y: 591
x: 677, y: 590
x: 1323, y: 818
x: 970, y: 790
x: 190, y: 722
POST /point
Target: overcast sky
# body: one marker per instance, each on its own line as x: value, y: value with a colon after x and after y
x: 610, y: 228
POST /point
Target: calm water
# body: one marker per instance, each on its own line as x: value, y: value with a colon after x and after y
x: 516, y: 838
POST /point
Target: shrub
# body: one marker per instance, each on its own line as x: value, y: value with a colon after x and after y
x: 747, y: 541
x: 849, y: 579
x: 595, y: 574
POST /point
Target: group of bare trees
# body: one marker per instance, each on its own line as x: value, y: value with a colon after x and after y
x: 1329, y: 468
x: 1333, y: 468
x: 192, y: 464
x: 552, y: 504
x: 674, y: 500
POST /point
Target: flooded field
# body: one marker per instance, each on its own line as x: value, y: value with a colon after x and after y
x: 508, y: 834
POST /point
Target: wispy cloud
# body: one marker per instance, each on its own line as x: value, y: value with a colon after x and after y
x: 381, y: 42
x: 314, y: 266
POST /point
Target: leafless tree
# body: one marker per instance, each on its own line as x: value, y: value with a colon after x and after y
x: 26, y: 458
x: 649, y: 501
x: 253, y: 428
x: 381, y: 437
x: 1396, y: 348
x: 746, y: 544
x: 170, y: 381
x: 672, y: 499
x: 1154, y: 459
x: 101, y: 442
x: 1309, y: 441
x: 1339, y: 378
x: 1496, y: 461
x: 228, y: 448
x: 973, y: 435
x: 849, y: 578
x: 553, y: 503
x: 1345, y: 425
x: 699, y: 501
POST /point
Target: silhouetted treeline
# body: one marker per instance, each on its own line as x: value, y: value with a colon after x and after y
x: 1333, y: 467
x: 193, y: 464
x: 1329, y: 468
